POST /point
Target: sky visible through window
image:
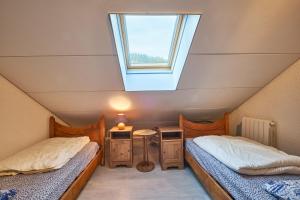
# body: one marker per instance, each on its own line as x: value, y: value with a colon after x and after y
x: 149, y: 38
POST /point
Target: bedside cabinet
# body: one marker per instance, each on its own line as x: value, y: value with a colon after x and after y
x: 120, y: 150
x: 171, y: 147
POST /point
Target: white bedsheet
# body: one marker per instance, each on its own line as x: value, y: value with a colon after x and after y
x: 249, y: 157
x: 44, y: 156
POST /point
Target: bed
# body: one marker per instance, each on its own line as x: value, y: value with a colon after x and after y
x: 220, y: 181
x: 66, y: 182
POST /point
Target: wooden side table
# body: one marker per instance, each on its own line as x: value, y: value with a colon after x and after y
x: 145, y: 165
x: 120, y: 150
x: 171, y: 147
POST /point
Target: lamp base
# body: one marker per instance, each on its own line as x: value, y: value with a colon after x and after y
x: 121, y: 126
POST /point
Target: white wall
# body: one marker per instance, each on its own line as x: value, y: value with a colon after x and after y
x: 62, y: 53
x: 278, y: 101
x: 22, y: 120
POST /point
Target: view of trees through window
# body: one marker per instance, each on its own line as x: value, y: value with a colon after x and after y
x: 138, y: 58
x: 149, y: 39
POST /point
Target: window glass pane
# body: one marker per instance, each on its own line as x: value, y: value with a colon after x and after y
x: 149, y: 39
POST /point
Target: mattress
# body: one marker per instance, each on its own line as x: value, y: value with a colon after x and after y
x: 50, y: 185
x: 239, y: 186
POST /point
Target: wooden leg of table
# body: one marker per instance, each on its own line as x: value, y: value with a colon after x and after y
x: 146, y: 149
x: 145, y: 165
x: 144, y: 153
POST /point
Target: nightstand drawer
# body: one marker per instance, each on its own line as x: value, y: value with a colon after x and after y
x: 172, y: 151
x: 120, y: 150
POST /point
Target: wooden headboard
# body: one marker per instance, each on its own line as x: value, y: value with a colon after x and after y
x: 193, y: 129
x: 96, y: 132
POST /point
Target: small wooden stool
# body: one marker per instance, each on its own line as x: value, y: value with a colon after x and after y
x: 145, y: 165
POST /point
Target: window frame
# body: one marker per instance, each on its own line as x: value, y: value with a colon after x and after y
x: 176, y: 39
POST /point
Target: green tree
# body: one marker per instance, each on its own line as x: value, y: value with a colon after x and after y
x: 138, y: 58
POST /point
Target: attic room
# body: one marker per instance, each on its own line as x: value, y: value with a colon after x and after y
x: 161, y: 99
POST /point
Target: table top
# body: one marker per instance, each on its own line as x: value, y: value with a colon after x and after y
x: 144, y: 132
x: 126, y: 129
x: 170, y: 129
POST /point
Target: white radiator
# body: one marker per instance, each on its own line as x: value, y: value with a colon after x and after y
x: 262, y: 131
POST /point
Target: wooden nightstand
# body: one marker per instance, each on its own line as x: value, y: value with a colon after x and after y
x: 171, y: 147
x: 120, y: 150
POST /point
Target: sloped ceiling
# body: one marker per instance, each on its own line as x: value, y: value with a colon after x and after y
x: 61, y: 53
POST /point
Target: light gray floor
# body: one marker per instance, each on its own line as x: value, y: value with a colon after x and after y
x: 123, y: 183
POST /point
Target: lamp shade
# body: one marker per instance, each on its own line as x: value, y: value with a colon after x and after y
x: 121, y: 118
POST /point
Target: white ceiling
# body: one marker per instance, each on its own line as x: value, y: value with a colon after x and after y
x: 61, y: 52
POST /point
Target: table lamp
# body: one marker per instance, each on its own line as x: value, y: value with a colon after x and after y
x: 120, y: 121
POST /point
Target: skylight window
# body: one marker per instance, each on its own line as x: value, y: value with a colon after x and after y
x: 150, y: 40
x: 152, y: 49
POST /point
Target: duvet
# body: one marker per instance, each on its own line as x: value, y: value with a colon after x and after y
x: 246, y: 156
x: 44, y: 156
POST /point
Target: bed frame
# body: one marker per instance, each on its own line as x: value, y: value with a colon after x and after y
x: 96, y: 133
x: 191, y: 130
